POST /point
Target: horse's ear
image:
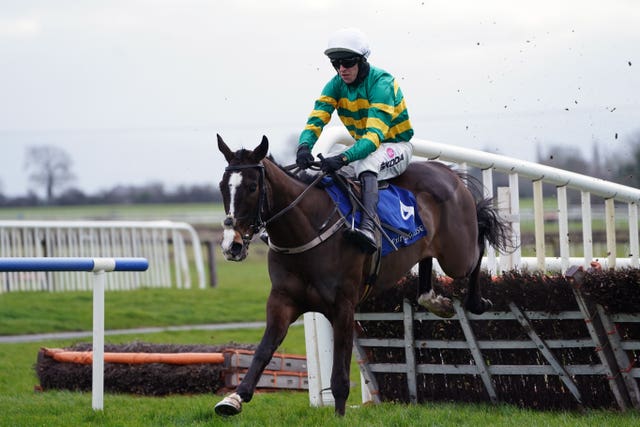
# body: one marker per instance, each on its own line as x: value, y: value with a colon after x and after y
x: 224, y: 149
x: 260, y: 152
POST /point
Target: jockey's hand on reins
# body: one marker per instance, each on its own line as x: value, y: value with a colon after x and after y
x: 331, y: 164
x: 304, y: 158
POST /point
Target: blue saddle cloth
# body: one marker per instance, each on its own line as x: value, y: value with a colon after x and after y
x: 396, y: 207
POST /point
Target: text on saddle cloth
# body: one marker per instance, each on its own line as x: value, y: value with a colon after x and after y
x: 397, y: 208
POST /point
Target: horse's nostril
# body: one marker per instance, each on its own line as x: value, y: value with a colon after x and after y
x: 236, y: 252
x: 228, y: 222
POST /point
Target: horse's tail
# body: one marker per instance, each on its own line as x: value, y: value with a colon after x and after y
x: 493, y: 227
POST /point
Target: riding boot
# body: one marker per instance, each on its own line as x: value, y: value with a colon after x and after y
x: 365, y: 234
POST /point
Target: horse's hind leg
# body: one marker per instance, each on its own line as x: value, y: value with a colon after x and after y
x: 279, y: 317
x: 427, y: 297
x: 474, y: 301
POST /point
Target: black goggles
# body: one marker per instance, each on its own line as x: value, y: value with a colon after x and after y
x: 345, y: 62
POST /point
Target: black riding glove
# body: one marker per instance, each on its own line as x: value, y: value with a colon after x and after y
x: 304, y: 159
x: 332, y: 164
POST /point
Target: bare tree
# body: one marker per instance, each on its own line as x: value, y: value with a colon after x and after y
x: 50, y: 168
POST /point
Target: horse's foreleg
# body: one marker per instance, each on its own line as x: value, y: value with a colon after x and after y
x: 427, y: 296
x: 474, y: 301
x: 342, y: 348
x: 273, y: 336
x: 279, y: 317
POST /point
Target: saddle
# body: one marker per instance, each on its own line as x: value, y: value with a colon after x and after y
x: 400, y: 224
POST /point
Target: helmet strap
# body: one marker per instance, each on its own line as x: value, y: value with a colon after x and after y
x: 363, y: 71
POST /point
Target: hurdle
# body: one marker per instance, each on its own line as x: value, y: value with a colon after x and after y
x: 98, y: 266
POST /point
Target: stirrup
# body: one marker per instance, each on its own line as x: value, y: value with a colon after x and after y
x: 365, y: 241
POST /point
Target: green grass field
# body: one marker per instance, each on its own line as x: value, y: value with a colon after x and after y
x: 240, y: 296
x: 20, y: 405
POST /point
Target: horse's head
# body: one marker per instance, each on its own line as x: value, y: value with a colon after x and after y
x: 243, y: 194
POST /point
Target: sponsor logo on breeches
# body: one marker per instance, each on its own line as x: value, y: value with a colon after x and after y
x: 391, y: 162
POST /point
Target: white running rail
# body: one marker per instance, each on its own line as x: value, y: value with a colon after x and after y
x: 509, y: 203
x: 164, y: 243
x: 563, y: 180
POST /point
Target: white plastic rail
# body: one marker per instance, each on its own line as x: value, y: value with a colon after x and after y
x: 164, y: 243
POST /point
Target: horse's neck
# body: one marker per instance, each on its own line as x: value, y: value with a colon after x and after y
x: 284, y: 190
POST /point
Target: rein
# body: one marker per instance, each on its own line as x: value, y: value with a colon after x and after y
x: 296, y: 201
x: 259, y: 224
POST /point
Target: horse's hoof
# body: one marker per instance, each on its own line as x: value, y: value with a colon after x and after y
x: 229, y: 406
x: 481, y: 307
x: 437, y: 304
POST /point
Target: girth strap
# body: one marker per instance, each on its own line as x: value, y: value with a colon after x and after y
x: 313, y: 243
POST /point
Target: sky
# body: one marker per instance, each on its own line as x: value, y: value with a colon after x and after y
x: 136, y: 90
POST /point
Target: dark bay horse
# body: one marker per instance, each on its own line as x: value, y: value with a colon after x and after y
x: 313, y: 267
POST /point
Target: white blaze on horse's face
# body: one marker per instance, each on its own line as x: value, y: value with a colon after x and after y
x: 235, y: 179
x: 229, y: 235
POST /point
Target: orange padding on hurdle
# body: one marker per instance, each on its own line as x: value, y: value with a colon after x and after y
x: 86, y: 357
x: 275, y: 355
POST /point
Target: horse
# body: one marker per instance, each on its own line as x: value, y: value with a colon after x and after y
x: 313, y: 267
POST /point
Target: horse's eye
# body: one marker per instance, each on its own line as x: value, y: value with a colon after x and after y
x: 253, y: 187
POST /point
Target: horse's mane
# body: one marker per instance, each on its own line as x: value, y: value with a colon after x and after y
x: 302, y: 176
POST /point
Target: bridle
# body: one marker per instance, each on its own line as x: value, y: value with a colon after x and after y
x: 258, y: 222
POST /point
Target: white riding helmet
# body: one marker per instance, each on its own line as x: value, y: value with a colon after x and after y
x: 348, y: 40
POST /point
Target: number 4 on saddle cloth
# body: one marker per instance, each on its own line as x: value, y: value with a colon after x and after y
x: 397, y: 210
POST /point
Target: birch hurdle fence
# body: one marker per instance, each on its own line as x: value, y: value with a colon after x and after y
x: 614, y: 363
x: 531, y: 358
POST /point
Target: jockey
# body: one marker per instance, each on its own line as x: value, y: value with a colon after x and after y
x: 371, y: 106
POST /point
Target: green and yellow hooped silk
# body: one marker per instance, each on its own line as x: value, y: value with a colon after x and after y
x: 373, y: 112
